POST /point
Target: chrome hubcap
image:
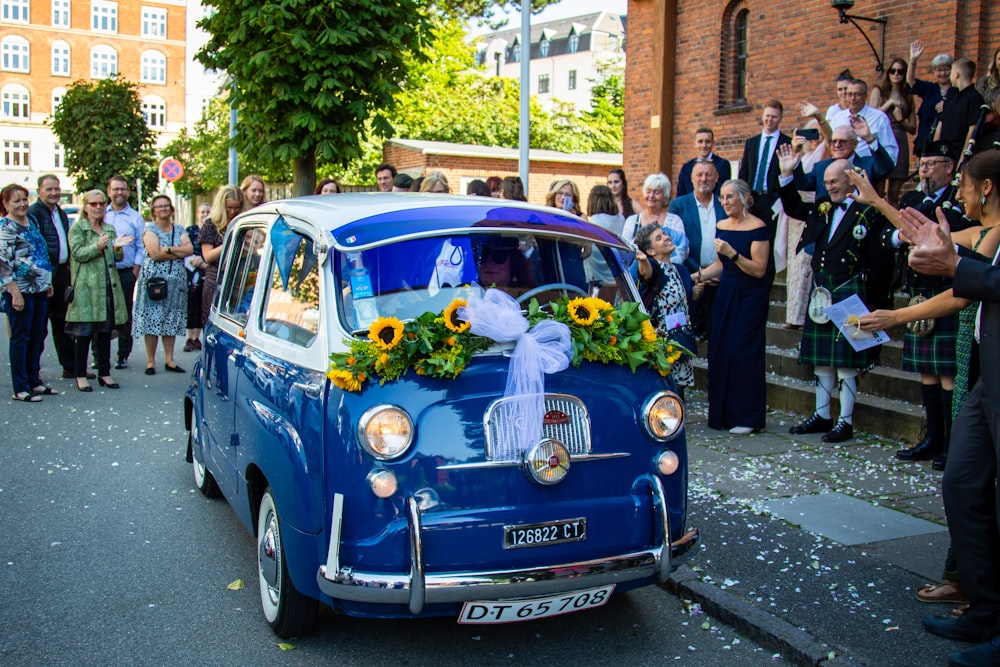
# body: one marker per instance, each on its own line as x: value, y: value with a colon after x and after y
x: 268, y: 557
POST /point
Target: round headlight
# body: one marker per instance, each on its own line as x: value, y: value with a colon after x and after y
x: 547, y: 462
x: 663, y: 415
x: 385, y: 431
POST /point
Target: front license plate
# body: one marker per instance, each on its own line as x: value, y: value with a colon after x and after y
x: 510, y: 611
x: 538, y: 534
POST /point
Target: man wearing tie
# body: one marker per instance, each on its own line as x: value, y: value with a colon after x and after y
x: 759, y: 167
x: 847, y: 259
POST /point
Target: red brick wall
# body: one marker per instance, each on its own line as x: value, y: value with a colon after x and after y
x: 542, y: 173
x: 795, y: 50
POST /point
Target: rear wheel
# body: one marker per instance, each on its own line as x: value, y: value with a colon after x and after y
x: 202, y: 477
x: 289, y: 613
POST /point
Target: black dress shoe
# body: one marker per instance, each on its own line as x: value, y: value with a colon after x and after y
x: 982, y: 655
x: 121, y: 363
x: 939, y: 462
x: 841, y: 432
x: 174, y: 369
x: 109, y: 385
x: 925, y: 451
x: 963, y: 628
x: 814, y: 424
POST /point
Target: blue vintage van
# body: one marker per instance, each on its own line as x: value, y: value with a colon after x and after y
x: 437, y: 406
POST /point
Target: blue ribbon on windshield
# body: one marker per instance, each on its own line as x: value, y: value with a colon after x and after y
x: 285, y: 243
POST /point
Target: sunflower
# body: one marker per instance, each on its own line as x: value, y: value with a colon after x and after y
x: 582, y: 311
x: 344, y: 379
x: 648, y: 332
x: 600, y: 304
x: 386, y: 332
x: 451, y: 318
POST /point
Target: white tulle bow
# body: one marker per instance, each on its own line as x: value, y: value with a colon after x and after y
x: 546, y: 348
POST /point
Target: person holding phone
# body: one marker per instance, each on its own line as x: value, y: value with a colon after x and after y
x: 565, y: 196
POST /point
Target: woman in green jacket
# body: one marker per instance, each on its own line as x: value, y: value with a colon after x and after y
x: 98, y: 302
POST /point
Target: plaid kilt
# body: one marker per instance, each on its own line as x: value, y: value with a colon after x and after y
x: 933, y: 354
x: 823, y: 344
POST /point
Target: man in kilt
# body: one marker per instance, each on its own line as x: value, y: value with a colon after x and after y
x: 844, y: 239
x: 929, y: 345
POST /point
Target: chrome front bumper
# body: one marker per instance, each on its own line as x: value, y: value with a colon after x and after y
x: 417, y: 589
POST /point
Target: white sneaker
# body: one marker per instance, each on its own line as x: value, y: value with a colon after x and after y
x: 741, y: 430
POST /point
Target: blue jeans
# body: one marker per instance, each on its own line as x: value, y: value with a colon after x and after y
x: 28, y: 328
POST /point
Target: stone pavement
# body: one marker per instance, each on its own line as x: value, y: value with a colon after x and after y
x: 815, y: 550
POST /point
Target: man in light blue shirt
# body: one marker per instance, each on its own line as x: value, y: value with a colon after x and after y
x: 127, y: 222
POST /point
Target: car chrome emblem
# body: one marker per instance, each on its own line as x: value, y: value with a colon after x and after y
x: 555, y: 417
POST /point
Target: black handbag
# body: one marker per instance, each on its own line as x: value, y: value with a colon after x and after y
x: 156, y: 288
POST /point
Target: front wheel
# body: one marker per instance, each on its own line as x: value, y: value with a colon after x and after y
x: 203, y: 479
x: 288, y: 612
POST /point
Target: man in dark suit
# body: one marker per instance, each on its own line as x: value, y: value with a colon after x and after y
x: 700, y: 211
x: 843, y: 146
x: 971, y: 502
x: 704, y: 143
x: 54, y: 226
x: 847, y: 256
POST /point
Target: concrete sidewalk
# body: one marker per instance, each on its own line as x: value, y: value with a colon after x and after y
x: 815, y: 550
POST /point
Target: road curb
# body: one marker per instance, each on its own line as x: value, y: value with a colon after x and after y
x: 794, y: 644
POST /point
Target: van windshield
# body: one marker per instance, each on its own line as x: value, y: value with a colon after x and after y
x: 408, y: 278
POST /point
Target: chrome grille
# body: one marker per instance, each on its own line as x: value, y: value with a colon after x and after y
x: 574, y: 434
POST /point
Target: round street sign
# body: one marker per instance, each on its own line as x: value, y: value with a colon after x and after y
x: 171, y: 169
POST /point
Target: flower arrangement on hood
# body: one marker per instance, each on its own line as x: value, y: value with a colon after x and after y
x: 441, y: 345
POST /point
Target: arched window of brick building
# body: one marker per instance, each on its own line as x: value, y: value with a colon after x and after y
x: 733, y: 68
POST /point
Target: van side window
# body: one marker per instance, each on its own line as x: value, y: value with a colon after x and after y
x: 239, y: 275
x: 291, y: 306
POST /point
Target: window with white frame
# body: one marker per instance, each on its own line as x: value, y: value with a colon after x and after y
x: 543, y: 48
x: 103, y: 62
x: 57, y: 96
x: 572, y: 79
x: 573, y: 45
x: 154, y: 22
x: 60, y: 13
x: 15, y: 102
x: 17, y: 154
x: 60, y: 58
x: 104, y: 16
x: 154, y: 67
x: 154, y: 110
x: 18, y: 11
x: 15, y: 54
x: 58, y: 156
x: 543, y: 84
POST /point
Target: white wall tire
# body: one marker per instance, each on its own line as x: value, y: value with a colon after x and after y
x: 288, y: 612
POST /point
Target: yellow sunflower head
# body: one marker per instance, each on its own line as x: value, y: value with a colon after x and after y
x: 582, y: 311
x: 648, y: 332
x: 451, y: 318
x: 600, y: 304
x: 344, y: 379
x: 386, y: 332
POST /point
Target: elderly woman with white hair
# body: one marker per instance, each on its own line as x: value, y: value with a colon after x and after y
x: 656, y: 199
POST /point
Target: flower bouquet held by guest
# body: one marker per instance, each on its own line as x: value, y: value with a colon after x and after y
x: 98, y: 304
x: 26, y: 276
x: 166, y: 247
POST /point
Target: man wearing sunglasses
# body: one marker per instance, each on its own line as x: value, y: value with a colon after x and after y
x: 843, y: 146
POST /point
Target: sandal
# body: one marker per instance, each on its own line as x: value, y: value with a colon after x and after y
x: 27, y: 397
x: 949, y: 592
x: 44, y: 390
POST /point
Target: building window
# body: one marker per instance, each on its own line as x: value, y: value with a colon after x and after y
x: 515, y: 53
x: 14, y: 55
x: 740, y: 66
x: 58, y: 156
x: 17, y: 11
x: 574, y: 43
x: 543, y: 84
x: 154, y: 110
x: 572, y: 79
x: 60, y: 13
x: 103, y: 62
x: 60, y: 58
x: 154, y: 67
x: 104, y: 16
x: 543, y: 48
x: 17, y: 154
x: 57, y: 95
x: 614, y: 43
x: 15, y: 102
x: 154, y: 22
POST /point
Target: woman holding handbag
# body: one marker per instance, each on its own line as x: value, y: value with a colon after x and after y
x: 98, y: 303
x: 161, y: 291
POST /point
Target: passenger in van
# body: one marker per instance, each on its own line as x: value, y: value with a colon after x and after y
x: 504, y: 266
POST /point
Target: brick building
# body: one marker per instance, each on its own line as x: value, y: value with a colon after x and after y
x: 715, y: 62
x: 462, y: 163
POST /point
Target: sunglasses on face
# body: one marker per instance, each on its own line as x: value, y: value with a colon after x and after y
x: 896, y: 71
x: 496, y: 256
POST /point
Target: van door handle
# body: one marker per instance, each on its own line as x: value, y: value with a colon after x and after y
x: 210, y: 339
x: 310, y: 389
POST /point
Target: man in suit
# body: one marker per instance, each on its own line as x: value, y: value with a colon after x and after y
x: 847, y: 254
x: 971, y: 502
x: 843, y: 146
x: 700, y: 211
x: 53, y: 223
x: 759, y: 168
x: 704, y: 143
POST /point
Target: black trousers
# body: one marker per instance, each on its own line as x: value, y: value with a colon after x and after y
x: 65, y: 347
x: 102, y: 353
x: 128, y: 279
x: 972, y: 505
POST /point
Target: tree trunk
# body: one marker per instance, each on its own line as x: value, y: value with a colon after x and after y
x: 304, y: 180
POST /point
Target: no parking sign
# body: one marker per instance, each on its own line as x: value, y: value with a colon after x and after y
x: 171, y: 169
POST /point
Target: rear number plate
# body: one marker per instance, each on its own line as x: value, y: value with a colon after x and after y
x: 539, y: 534
x: 509, y: 611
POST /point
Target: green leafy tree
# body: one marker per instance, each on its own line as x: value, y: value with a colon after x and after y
x: 103, y: 133
x: 308, y: 76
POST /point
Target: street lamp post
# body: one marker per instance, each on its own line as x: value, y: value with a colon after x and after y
x: 842, y: 7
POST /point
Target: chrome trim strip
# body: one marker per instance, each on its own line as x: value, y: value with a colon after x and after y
x: 660, y: 501
x: 417, y: 581
x: 483, y: 465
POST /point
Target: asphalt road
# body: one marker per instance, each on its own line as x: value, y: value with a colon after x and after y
x: 110, y: 556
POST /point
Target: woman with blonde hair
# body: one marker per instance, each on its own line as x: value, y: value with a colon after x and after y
x: 229, y: 202
x: 565, y: 196
x: 435, y: 183
x: 255, y: 190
